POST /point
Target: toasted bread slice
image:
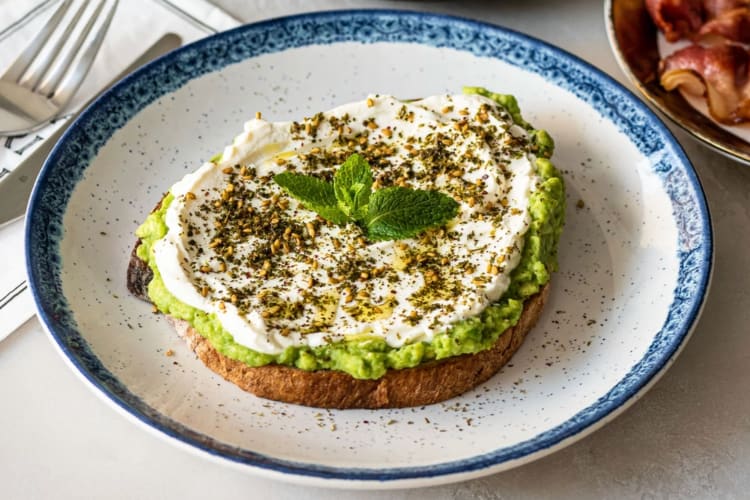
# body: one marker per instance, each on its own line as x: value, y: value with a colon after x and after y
x: 425, y: 384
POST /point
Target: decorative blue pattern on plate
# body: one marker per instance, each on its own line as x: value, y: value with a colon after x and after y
x: 70, y: 159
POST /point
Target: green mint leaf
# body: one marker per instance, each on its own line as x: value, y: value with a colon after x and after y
x: 315, y: 194
x: 352, y: 186
x: 397, y: 212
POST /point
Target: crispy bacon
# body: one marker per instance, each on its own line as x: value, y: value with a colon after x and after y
x: 731, y: 24
x: 720, y: 72
x: 679, y: 19
x: 717, y: 64
x: 676, y: 18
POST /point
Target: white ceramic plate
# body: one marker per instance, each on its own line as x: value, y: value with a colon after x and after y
x: 635, y: 256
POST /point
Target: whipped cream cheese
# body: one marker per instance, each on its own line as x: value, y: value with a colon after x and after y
x: 277, y: 275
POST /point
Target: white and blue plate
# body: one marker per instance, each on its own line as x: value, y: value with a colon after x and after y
x: 635, y: 256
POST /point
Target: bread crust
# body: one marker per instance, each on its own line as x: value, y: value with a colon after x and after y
x: 425, y: 384
x: 422, y: 385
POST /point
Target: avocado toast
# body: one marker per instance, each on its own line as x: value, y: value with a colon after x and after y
x: 381, y: 254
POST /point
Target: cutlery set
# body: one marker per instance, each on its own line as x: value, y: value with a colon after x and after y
x: 34, y: 91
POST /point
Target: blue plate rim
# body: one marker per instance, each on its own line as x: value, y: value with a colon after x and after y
x: 599, y: 412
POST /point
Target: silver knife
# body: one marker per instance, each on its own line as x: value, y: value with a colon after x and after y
x: 16, y: 187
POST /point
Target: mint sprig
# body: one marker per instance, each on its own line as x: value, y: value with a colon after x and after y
x: 386, y: 214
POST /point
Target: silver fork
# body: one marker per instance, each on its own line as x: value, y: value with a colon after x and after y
x: 43, y: 79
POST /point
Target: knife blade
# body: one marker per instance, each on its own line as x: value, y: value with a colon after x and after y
x: 15, y: 188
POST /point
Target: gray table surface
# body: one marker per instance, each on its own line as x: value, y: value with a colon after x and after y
x: 688, y: 437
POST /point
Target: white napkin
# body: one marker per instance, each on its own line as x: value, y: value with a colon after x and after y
x: 136, y: 26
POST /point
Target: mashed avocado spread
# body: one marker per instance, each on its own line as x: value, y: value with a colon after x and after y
x: 366, y: 357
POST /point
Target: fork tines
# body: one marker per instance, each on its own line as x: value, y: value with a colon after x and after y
x: 66, y: 46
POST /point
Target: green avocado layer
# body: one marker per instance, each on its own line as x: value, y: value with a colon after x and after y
x: 370, y: 358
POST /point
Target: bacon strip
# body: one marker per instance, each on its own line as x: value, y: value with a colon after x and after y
x: 679, y: 19
x: 721, y: 73
x: 731, y: 24
x: 676, y: 18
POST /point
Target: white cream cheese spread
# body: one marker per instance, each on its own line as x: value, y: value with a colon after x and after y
x: 277, y: 275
